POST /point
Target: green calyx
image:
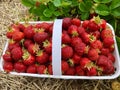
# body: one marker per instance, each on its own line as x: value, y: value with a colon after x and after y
x: 39, y: 53
x: 26, y: 54
x: 71, y: 63
x: 46, y: 43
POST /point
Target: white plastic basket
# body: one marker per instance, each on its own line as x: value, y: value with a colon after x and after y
x: 57, y: 55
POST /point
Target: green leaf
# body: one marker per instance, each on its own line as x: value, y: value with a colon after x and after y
x: 66, y: 3
x: 84, y: 16
x: 118, y: 42
x: 47, y: 12
x: 57, y: 3
x: 115, y: 4
x: 28, y: 3
x: 44, y: 18
x: 102, y: 9
x: 113, y: 23
x: 116, y: 12
x: 57, y: 13
x: 82, y: 7
x: 102, y: 1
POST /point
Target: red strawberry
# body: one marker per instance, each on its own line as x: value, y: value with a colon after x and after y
x: 75, y: 60
x: 28, y: 59
x: 12, y: 44
x: 70, y: 71
x: 42, y: 69
x: 108, y: 41
x: 105, y: 51
x: 16, y: 53
x: 50, y: 58
x: 21, y: 27
x: 29, y: 32
x: 92, y: 71
x: 42, y: 57
x: 76, y: 21
x: 47, y: 46
x: 106, y: 33
x: 85, y: 63
x: 32, y: 69
x: 67, y: 52
x: 80, y: 48
x: 75, y: 41
x: 8, y: 66
x: 79, y: 71
x: 40, y: 36
x: 65, y: 66
x: 17, y: 36
x: 7, y: 56
x: 85, y: 24
x: 87, y: 38
x: 65, y: 38
x: 102, y: 24
x: 66, y: 23
x: 12, y: 29
x: 51, y: 30
x: 97, y: 44
x: 27, y: 42
x: 112, y: 48
x: 111, y: 57
x: 50, y: 69
x: 37, y: 4
x: 33, y: 48
x: 102, y: 60
x: 44, y: 26
x: 96, y: 34
x: 93, y: 54
x: 81, y: 30
x: 92, y: 26
x: 19, y: 67
x: 73, y: 30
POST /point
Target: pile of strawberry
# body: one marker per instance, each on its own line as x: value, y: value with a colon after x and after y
x: 87, y: 48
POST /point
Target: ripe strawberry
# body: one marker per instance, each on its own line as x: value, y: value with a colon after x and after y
x: 65, y: 66
x: 92, y: 71
x: 50, y: 69
x: 7, y: 56
x: 17, y: 36
x: 73, y: 30
x: 44, y: 26
x: 66, y: 23
x: 108, y: 42
x: 85, y: 63
x: 85, y: 24
x: 111, y: 57
x: 105, y: 51
x: 76, y: 21
x: 96, y: 34
x: 67, y: 52
x: 93, y: 54
x: 28, y: 59
x: 29, y: 32
x: 50, y: 58
x: 51, y: 30
x: 16, y: 53
x: 80, y: 48
x: 27, y: 42
x: 32, y: 69
x: 47, y: 46
x: 102, y: 60
x: 40, y: 36
x: 75, y: 60
x: 65, y: 38
x: 81, y: 30
x: 102, y: 24
x: 21, y: 27
x: 75, y: 41
x: 12, y: 29
x: 79, y: 71
x: 19, y: 67
x: 92, y: 26
x: 37, y: 4
x: 42, y: 69
x: 112, y: 48
x: 8, y: 66
x: 97, y: 44
x: 106, y: 33
x: 42, y: 57
x: 70, y: 71
x: 33, y: 48
x: 12, y: 44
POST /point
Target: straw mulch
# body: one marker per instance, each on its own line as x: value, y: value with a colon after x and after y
x: 12, y: 10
